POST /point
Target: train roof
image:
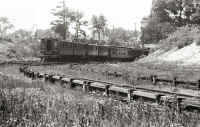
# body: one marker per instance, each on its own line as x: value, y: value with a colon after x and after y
x: 112, y: 46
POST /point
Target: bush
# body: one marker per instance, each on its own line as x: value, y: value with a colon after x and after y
x: 197, y: 41
x: 24, y: 49
x: 182, y: 37
x: 48, y: 105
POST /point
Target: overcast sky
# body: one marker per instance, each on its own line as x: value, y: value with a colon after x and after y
x: 35, y: 14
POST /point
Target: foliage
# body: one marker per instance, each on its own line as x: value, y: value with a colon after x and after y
x: 21, y: 50
x: 41, y: 104
x: 77, y: 18
x: 22, y: 35
x: 48, y: 105
x: 61, y: 25
x: 196, y: 17
x: 154, y: 31
x: 48, y: 33
x: 182, y: 37
x: 98, y: 26
x: 177, y: 12
x: 167, y: 15
x: 5, y: 25
x: 118, y: 35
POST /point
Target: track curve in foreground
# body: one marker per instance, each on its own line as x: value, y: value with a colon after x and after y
x: 123, y: 93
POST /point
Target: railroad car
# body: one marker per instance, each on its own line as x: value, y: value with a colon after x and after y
x: 120, y: 52
x: 103, y: 52
x: 66, y: 49
x: 55, y: 50
x: 92, y: 51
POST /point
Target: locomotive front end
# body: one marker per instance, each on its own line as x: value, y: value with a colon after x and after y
x: 49, y: 49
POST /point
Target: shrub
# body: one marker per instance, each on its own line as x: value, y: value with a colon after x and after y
x: 182, y: 37
x: 197, y: 40
x: 24, y: 49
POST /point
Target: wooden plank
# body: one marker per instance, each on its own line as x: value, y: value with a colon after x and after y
x: 98, y: 85
x: 191, y: 102
x: 56, y: 77
x: 119, y: 89
x: 79, y: 82
x: 65, y: 79
x: 145, y: 94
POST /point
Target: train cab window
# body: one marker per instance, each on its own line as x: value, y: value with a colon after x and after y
x: 49, y: 45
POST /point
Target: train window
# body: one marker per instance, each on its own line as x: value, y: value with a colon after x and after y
x: 49, y: 45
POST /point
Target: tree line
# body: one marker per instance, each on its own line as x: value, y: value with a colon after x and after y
x: 168, y: 15
x: 66, y: 20
x: 98, y: 26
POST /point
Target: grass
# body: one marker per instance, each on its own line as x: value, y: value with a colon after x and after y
x: 37, y: 104
x: 182, y: 37
x: 129, y: 71
x: 37, y: 107
x: 129, y: 74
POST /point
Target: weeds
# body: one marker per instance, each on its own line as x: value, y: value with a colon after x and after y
x: 38, y: 104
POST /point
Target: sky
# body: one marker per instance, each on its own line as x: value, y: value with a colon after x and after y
x: 36, y: 14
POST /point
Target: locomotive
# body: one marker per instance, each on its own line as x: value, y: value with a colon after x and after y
x: 57, y: 50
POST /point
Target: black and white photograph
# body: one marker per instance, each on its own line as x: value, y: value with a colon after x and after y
x: 100, y: 63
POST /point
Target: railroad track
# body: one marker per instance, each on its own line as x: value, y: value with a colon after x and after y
x: 195, y: 85
x: 30, y: 63
x: 123, y: 93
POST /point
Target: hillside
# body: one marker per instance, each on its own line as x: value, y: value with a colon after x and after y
x: 181, y: 47
x: 188, y: 55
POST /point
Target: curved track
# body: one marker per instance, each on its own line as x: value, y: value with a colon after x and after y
x: 123, y: 93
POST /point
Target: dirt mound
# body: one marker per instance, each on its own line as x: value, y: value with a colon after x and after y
x: 188, y: 55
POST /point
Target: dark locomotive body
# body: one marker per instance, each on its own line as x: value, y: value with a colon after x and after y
x: 55, y: 50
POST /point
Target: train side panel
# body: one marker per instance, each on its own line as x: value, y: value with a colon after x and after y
x: 92, y: 50
x: 66, y: 48
x: 103, y: 51
x: 122, y: 53
x: 52, y: 48
x: 136, y: 53
x: 79, y: 49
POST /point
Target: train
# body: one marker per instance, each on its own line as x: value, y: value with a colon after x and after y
x: 52, y: 49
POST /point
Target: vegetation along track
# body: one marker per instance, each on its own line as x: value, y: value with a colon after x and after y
x: 122, y: 93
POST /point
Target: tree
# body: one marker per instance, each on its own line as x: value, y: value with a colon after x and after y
x: 167, y: 15
x: 94, y: 21
x: 22, y: 34
x: 156, y: 31
x: 5, y: 25
x: 176, y: 12
x: 117, y: 36
x: 61, y: 25
x: 159, y: 10
x: 77, y: 18
x: 98, y: 25
x: 48, y: 33
x: 196, y: 17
